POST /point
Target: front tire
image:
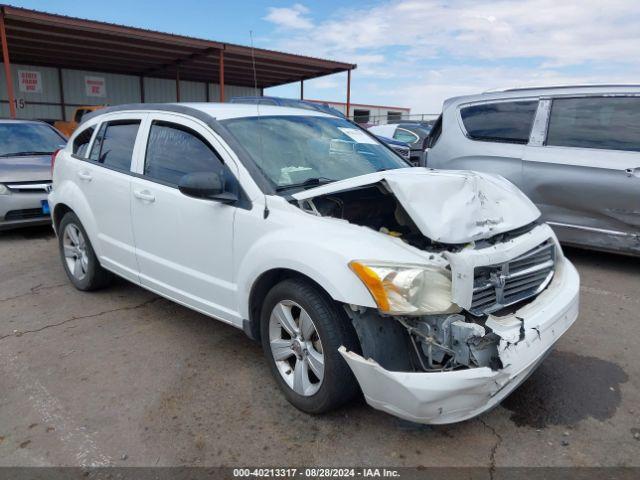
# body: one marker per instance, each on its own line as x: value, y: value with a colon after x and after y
x: 301, y: 330
x: 78, y: 257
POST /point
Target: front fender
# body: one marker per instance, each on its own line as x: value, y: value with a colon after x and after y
x: 323, y: 265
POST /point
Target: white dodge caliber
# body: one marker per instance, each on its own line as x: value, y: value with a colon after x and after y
x: 435, y: 293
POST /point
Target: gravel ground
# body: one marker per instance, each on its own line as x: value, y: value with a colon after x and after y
x: 123, y: 377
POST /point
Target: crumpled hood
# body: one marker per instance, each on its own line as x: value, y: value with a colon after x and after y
x: 448, y: 206
x: 25, y: 169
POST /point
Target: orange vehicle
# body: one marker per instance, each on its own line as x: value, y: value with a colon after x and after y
x: 67, y: 128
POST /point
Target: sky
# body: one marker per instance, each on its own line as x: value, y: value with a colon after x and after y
x: 410, y: 53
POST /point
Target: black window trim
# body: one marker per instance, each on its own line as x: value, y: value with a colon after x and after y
x: 492, y: 102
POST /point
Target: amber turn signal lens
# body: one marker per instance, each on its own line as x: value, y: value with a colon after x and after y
x: 373, y: 282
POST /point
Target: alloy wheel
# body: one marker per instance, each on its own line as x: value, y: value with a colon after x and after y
x: 75, y: 251
x: 296, y: 347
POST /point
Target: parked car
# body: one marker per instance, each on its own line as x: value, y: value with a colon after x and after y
x: 25, y: 171
x: 413, y: 134
x: 67, y: 127
x: 434, y: 293
x: 288, y: 102
x: 575, y: 151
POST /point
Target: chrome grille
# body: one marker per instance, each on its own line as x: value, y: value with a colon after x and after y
x: 501, y: 285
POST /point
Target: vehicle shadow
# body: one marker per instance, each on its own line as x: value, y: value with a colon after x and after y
x: 35, y: 232
x: 603, y: 260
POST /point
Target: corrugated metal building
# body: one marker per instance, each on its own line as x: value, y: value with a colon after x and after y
x: 46, y: 103
x: 57, y: 63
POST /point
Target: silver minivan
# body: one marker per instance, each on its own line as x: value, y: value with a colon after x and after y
x: 574, y: 150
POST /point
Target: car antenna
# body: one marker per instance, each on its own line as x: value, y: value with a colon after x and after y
x: 255, y: 86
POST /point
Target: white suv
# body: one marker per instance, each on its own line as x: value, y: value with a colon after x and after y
x: 435, y: 293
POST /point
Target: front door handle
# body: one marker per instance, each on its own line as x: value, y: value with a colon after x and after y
x: 144, y: 195
x: 86, y: 176
x: 633, y: 172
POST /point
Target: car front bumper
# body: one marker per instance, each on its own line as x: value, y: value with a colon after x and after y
x: 21, y: 210
x: 527, y: 336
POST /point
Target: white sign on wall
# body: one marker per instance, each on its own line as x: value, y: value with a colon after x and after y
x: 95, y: 86
x: 29, y: 81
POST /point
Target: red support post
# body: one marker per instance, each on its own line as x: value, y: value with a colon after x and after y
x: 221, y: 76
x: 348, y: 92
x: 7, y: 66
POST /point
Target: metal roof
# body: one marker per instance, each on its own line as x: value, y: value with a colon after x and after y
x: 39, y: 38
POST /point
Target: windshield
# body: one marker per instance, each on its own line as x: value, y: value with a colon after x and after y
x: 28, y: 139
x: 306, y: 151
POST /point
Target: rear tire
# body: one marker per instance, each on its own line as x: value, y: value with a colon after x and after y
x: 78, y: 257
x: 318, y: 326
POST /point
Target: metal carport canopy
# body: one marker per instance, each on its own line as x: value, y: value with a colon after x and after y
x: 44, y: 39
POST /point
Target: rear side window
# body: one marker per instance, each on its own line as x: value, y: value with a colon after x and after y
x: 508, y: 122
x: 406, y: 136
x: 611, y: 123
x: 114, y: 144
x: 81, y: 142
x: 174, y: 151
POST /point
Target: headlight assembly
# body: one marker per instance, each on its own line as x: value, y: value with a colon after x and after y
x: 407, y: 289
x: 3, y: 190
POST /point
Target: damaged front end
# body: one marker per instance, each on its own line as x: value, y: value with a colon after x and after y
x: 454, y: 334
x: 448, y: 368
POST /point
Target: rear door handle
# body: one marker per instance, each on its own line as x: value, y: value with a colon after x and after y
x: 144, y: 195
x: 86, y: 176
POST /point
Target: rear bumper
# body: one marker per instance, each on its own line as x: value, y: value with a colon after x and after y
x: 15, y: 210
x: 447, y: 397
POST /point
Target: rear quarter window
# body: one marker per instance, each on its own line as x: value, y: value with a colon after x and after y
x: 611, y: 123
x: 507, y: 122
x: 81, y: 142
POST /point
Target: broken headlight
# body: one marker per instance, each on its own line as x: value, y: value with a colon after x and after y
x: 407, y: 289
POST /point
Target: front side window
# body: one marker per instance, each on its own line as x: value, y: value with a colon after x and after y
x: 24, y: 139
x: 294, y: 150
x: 508, y: 122
x: 114, y: 144
x: 174, y: 151
x: 601, y: 122
x: 81, y: 142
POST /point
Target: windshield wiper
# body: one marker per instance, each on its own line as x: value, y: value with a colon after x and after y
x: 24, y: 154
x: 309, y: 182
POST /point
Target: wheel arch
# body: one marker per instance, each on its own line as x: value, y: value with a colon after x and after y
x: 59, y: 211
x: 261, y: 287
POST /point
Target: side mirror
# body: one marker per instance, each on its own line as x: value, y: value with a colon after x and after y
x: 208, y: 186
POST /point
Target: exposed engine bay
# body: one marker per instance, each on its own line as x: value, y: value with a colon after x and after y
x: 376, y: 207
x: 430, y: 343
